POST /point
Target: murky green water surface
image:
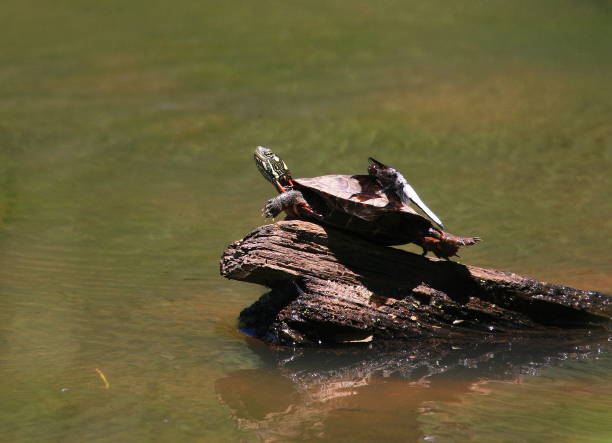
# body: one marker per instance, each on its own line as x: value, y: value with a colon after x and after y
x: 126, y: 138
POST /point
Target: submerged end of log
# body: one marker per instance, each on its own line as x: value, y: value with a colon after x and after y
x: 330, y: 287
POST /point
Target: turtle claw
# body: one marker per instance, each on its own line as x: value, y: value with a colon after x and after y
x: 271, y: 209
x: 470, y: 241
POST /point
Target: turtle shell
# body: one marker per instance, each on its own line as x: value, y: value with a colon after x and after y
x: 358, y: 204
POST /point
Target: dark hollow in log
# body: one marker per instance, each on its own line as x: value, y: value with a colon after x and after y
x: 330, y: 287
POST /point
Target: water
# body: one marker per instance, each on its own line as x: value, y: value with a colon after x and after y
x: 126, y: 137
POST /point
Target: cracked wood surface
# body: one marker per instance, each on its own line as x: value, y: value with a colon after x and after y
x: 329, y: 286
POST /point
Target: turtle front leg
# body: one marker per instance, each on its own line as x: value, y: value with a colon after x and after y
x: 292, y: 202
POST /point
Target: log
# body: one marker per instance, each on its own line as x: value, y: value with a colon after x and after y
x: 330, y: 287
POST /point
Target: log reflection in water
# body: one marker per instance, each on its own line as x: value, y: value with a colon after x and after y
x: 372, y: 391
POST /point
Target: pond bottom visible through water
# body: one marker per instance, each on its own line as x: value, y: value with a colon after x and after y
x: 486, y: 392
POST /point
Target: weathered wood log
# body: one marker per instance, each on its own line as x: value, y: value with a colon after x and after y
x: 329, y: 287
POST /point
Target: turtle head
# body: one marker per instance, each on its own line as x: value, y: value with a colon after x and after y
x: 273, y: 168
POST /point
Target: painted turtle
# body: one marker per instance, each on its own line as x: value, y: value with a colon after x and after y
x: 373, y: 206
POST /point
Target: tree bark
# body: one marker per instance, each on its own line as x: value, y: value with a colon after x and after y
x: 330, y: 287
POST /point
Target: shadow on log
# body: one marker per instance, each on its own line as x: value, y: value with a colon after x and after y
x: 330, y: 287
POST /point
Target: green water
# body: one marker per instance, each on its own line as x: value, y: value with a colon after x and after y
x: 126, y: 139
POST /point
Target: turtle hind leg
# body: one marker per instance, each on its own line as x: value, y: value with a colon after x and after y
x: 439, y: 246
x: 445, y: 245
x: 450, y: 244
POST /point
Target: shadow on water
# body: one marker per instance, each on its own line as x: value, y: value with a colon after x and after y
x: 376, y: 391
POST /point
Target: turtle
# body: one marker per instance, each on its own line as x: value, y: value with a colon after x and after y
x: 374, y: 206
